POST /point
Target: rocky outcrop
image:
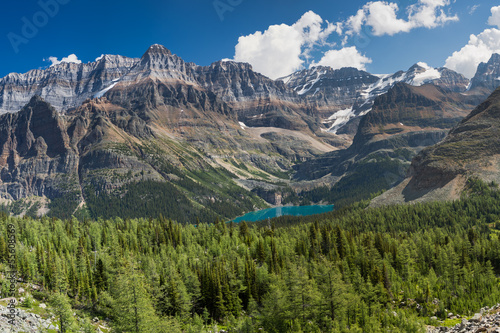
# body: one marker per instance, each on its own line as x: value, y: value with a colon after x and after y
x: 24, y: 321
x: 237, y: 82
x: 487, y: 320
x: 451, y: 81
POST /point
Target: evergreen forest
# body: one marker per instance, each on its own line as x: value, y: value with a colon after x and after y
x: 356, y: 269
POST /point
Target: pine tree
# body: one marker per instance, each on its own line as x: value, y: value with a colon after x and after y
x: 133, y: 307
x: 62, y: 310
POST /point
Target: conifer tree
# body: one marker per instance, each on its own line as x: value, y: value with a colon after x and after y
x: 63, y: 312
x: 133, y: 307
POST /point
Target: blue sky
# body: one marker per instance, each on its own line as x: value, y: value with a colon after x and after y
x: 277, y: 36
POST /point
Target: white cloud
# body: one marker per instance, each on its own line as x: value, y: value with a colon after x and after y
x: 382, y: 18
x: 473, y: 9
x: 346, y: 57
x: 72, y: 58
x: 429, y: 14
x: 495, y: 17
x: 281, y: 49
x: 479, y: 49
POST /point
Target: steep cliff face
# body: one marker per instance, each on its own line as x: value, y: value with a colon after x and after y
x: 405, y: 108
x: 64, y: 86
x: 487, y: 75
x: 471, y: 149
x: 326, y: 86
x: 170, y: 136
x: 237, y: 82
x: 36, y: 152
x: 452, y: 81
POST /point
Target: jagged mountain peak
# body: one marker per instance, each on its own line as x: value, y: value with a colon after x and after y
x: 157, y: 54
x: 229, y: 65
x: 488, y: 74
x: 157, y: 49
x: 159, y: 63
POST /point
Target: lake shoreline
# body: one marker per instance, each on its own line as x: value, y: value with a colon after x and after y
x: 269, y: 213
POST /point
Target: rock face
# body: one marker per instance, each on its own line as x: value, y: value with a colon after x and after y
x: 327, y: 87
x: 64, y: 86
x: 24, y: 322
x: 35, y: 152
x: 487, y: 75
x: 471, y: 149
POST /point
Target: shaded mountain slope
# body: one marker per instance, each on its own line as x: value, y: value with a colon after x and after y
x: 472, y: 149
x: 403, y: 121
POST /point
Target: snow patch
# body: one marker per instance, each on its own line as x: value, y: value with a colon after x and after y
x: 340, y: 118
x: 242, y: 125
x: 309, y: 85
x: 424, y: 77
x: 381, y: 86
x: 105, y: 90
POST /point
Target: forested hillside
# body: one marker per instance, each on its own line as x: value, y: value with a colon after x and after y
x: 352, y: 270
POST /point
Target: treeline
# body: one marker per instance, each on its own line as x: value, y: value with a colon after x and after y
x: 363, y: 181
x: 354, y: 270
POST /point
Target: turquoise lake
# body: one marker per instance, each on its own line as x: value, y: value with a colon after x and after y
x: 287, y: 210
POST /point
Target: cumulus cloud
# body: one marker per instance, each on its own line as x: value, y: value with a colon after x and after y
x: 72, y: 58
x: 346, y: 57
x: 281, y: 49
x: 382, y: 17
x: 479, y: 49
x: 495, y: 16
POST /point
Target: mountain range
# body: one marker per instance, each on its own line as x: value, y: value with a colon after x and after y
x: 158, y: 136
